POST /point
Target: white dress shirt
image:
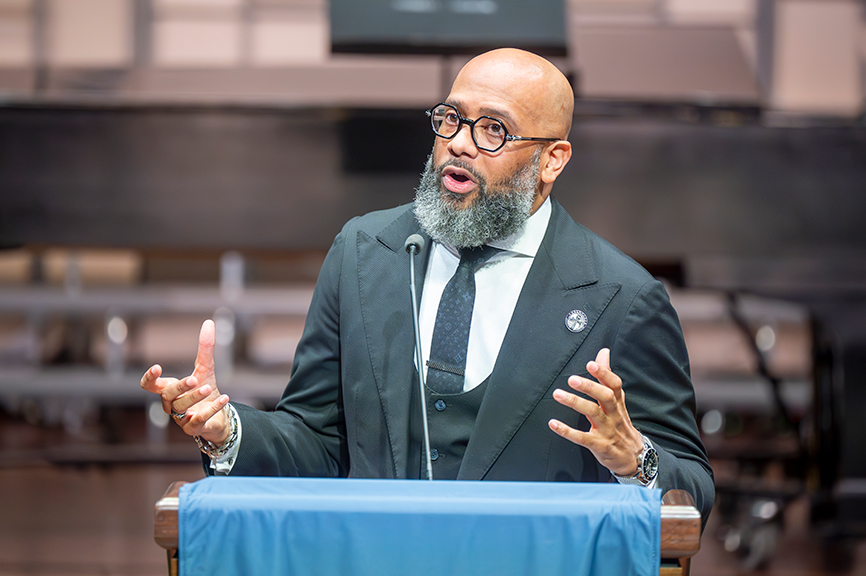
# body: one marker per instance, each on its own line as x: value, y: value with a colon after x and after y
x: 497, y: 286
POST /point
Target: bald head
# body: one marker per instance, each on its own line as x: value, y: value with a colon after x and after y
x: 531, y: 82
x: 532, y: 100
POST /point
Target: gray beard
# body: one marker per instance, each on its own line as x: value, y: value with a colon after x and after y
x: 496, y: 212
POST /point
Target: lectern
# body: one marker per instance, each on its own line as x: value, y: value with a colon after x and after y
x: 358, y: 527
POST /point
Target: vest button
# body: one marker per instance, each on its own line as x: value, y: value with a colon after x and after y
x: 440, y: 405
x: 434, y: 454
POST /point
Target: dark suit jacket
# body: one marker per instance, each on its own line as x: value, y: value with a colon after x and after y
x: 346, y: 408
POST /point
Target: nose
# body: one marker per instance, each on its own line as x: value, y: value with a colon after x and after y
x: 462, y: 144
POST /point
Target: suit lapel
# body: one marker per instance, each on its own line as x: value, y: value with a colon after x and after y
x: 537, y: 344
x: 386, y: 310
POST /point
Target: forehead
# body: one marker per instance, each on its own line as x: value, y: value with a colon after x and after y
x: 499, y: 90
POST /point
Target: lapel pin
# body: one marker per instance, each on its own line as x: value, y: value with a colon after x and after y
x: 575, y: 320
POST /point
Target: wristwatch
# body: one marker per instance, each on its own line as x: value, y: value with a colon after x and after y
x: 647, y: 466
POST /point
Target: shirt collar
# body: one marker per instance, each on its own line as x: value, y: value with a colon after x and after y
x: 528, y: 241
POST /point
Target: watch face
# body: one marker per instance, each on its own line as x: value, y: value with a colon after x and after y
x: 650, y: 464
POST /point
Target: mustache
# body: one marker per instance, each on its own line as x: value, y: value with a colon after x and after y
x: 455, y: 163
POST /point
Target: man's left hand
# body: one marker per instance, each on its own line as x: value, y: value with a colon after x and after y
x: 611, y: 438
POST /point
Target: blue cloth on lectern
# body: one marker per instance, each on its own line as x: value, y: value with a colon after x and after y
x: 339, y: 527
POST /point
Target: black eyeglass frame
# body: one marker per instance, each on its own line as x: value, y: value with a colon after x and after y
x: 471, y: 123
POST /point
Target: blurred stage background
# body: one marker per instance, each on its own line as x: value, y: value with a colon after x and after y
x: 166, y: 161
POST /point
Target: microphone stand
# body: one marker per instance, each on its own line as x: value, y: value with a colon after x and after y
x: 412, y: 246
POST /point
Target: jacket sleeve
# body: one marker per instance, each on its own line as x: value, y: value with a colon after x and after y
x: 305, y: 435
x: 650, y: 356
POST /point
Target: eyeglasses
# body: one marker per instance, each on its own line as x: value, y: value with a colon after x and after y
x: 488, y: 133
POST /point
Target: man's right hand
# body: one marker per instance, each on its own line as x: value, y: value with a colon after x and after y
x: 196, y: 397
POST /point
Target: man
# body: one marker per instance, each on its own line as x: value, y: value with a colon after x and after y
x: 575, y: 367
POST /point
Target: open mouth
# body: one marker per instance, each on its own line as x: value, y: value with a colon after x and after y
x: 457, y: 180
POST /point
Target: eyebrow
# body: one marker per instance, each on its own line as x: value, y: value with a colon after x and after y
x: 485, y: 111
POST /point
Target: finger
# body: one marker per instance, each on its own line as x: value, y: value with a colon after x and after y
x: 593, y: 412
x: 603, y: 358
x: 150, y: 380
x: 178, y: 388
x: 204, y: 411
x: 190, y: 398
x: 174, y: 390
x: 206, y: 340
x: 166, y: 387
x: 600, y: 370
x: 604, y: 395
x: 580, y: 438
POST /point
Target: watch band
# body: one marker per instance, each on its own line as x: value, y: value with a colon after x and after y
x: 647, y: 466
x: 211, y: 449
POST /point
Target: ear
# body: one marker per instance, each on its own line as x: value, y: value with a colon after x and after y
x: 554, y: 160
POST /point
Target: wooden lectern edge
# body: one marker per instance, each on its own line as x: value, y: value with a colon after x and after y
x: 680, y: 531
x: 681, y: 525
x: 165, y: 531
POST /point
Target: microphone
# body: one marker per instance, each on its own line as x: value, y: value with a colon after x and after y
x: 413, y: 245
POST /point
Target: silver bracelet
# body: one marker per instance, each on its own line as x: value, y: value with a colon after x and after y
x: 212, y: 449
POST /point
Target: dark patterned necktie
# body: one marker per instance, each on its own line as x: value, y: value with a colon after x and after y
x: 446, y: 368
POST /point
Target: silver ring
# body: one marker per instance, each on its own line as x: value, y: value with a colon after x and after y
x: 178, y: 417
